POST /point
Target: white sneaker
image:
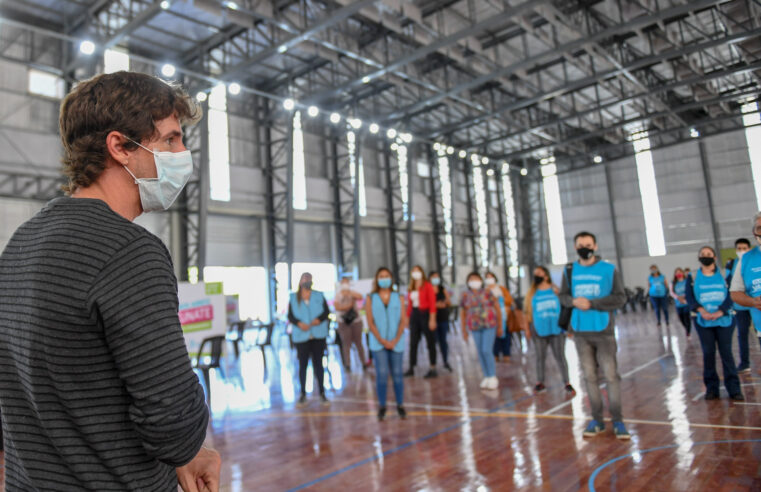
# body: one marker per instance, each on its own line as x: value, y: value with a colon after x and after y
x: 484, y: 382
x: 493, y: 383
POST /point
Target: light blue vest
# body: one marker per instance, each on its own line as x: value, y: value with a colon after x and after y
x: 306, y: 313
x: 545, y: 309
x: 503, y: 310
x: 680, y: 289
x: 731, y: 274
x: 751, y: 273
x: 386, y: 320
x: 592, y: 282
x: 657, y: 286
x: 710, y: 293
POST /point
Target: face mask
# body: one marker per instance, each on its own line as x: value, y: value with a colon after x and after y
x: 306, y: 286
x: 706, y: 261
x: 740, y: 253
x: 436, y: 281
x: 345, y: 286
x: 538, y: 280
x: 475, y: 284
x: 679, y: 276
x: 490, y: 281
x: 384, y: 283
x: 417, y: 275
x: 173, y: 170
x: 585, y: 253
x: 654, y: 272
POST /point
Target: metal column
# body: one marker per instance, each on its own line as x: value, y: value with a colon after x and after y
x: 613, y: 221
x: 709, y: 195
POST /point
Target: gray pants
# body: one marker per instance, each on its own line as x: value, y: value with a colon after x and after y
x: 351, y: 335
x: 557, y: 343
x: 600, y: 350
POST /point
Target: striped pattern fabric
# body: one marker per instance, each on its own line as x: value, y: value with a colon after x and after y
x: 96, y: 387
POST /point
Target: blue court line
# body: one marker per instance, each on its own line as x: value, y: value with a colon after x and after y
x: 645, y: 451
x: 405, y: 445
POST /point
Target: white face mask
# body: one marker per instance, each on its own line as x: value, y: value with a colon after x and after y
x: 417, y: 275
x: 345, y: 286
x: 475, y: 284
x: 173, y: 170
x: 490, y: 281
x: 740, y: 253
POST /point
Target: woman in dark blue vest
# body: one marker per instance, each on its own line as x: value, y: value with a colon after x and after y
x: 679, y: 293
x: 707, y: 294
x: 308, y: 313
x: 387, y: 319
x: 658, y: 291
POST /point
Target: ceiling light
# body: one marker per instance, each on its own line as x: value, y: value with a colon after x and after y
x: 165, y: 5
x: 374, y: 128
x: 524, y: 171
x: 289, y: 104
x: 313, y: 111
x: 694, y: 133
x: 450, y: 150
x: 365, y: 79
x: 335, y: 118
x: 234, y: 88
x: 201, y: 96
x: 462, y: 154
x: 394, y: 146
x: 87, y: 47
x: 485, y: 160
x: 282, y: 49
x: 168, y: 70
x: 597, y: 159
x: 490, y: 172
x: 406, y: 137
x: 355, y: 123
x: 391, y: 133
x: 231, y: 5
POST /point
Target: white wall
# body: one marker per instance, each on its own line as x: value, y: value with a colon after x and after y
x: 636, y: 270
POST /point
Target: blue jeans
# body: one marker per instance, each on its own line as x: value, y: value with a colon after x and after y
x: 742, y: 318
x: 710, y: 338
x: 484, y: 339
x: 388, y: 361
x: 442, y: 330
x: 660, y: 304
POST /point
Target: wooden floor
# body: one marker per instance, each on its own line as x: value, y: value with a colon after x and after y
x: 459, y: 437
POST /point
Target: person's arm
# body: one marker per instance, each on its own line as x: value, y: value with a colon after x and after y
x: 135, y: 298
x: 292, y: 319
x: 464, y: 316
x: 615, y: 300
x: 565, y: 296
x: 737, y: 289
x: 356, y: 295
x: 689, y: 294
x: 371, y: 320
x: 725, y: 306
x: 346, y: 305
x: 508, y: 298
x: 431, y: 296
x: 448, y: 299
x: 495, y: 306
x: 325, y: 313
x: 402, y: 323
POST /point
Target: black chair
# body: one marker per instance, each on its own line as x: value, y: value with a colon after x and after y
x: 216, y: 342
x: 263, y: 342
x: 235, y: 334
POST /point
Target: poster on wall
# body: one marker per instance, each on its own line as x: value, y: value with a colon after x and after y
x: 203, y: 313
x: 233, y: 308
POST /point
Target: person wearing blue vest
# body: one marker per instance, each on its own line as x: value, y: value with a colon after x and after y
x: 387, y: 319
x: 594, y: 293
x: 658, y: 290
x: 679, y: 293
x: 742, y: 314
x: 308, y: 313
x: 746, y: 283
x: 542, y: 308
x: 708, y: 295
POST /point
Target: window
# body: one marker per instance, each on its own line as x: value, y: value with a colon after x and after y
x: 324, y: 277
x: 219, y: 145
x: 299, y: 167
x: 554, y: 208
x: 651, y: 207
x: 481, y: 211
x: 249, y: 283
x: 45, y: 84
x: 115, y: 61
x: 512, y: 230
x: 752, y: 120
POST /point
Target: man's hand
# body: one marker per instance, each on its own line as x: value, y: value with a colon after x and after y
x: 757, y: 302
x: 315, y: 322
x: 582, y: 303
x: 432, y: 324
x: 499, y: 332
x: 303, y: 326
x: 202, y: 473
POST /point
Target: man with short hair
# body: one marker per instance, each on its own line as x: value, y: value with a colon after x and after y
x: 745, y: 287
x: 742, y: 315
x: 96, y: 387
x: 595, y: 292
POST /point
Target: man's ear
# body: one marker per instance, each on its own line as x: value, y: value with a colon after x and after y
x: 115, y: 148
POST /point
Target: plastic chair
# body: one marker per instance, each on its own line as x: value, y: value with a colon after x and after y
x: 216, y: 343
x: 237, y: 328
x: 269, y: 329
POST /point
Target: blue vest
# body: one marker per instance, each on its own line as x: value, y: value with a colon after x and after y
x: 730, y: 275
x: 386, y: 320
x: 680, y: 289
x: 657, y: 286
x: 306, y: 313
x: 751, y: 272
x: 710, y: 292
x: 592, y: 282
x: 503, y: 310
x: 545, y: 309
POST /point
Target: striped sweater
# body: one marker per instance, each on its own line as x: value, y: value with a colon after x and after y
x: 96, y: 387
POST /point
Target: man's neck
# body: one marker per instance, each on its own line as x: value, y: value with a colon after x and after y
x: 588, y: 262
x: 117, y: 190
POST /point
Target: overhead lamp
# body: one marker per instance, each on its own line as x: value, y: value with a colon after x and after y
x: 365, y: 79
x: 394, y: 146
x: 234, y: 88
x: 282, y: 49
x: 450, y: 150
x: 313, y: 111
x: 335, y: 118
x: 484, y: 160
x: 168, y: 70
x: 391, y: 133
x: 87, y: 47
x: 524, y: 171
x: 490, y: 172
x: 165, y: 5
x: 406, y: 137
x: 231, y: 5
x: 355, y: 123
x: 289, y: 104
x: 436, y: 146
x: 201, y: 96
x: 462, y: 154
x: 374, y: 128
x: 694, y: 133
x: 597, y: 159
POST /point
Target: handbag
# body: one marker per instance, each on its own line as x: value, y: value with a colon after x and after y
x: 564, y: 321
x: 350, y: 315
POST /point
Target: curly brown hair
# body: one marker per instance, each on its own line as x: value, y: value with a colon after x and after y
x: 127, y: 102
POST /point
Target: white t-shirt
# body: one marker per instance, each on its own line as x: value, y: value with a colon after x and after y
x: 738, y: 284
x: 415, y: 298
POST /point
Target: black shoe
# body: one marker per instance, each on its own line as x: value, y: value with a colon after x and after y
x: 381, y: 414
x: 302, y: 401
x: 324, y: 400
x: 738, y: 397
x: 711, y: 396
x: 409, y: 373
x: 539, y: 388
x: 431, y: 374
x: 569, y: 389
x: 402, y: 412
x: 447, y: 367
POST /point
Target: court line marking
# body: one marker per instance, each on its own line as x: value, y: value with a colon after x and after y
x: 597, y: 471
x: 408, y: 404
x: 626, y: 375
x: 697, y: 397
